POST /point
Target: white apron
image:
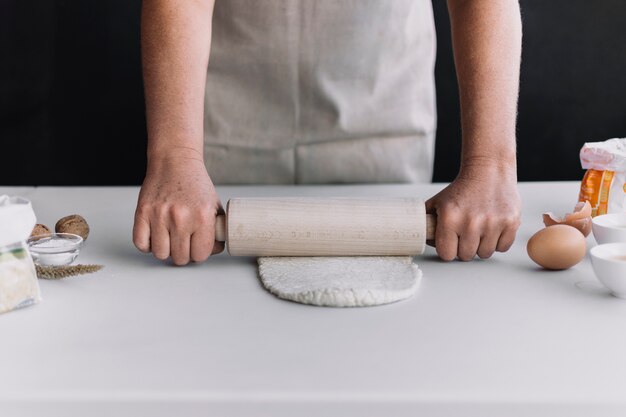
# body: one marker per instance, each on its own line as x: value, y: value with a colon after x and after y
x: 321, y: 91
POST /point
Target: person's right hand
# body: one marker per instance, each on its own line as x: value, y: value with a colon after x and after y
x: 176, y: 211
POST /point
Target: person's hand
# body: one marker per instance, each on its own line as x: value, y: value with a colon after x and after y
x: 477, y: 214
x: 176, y: 211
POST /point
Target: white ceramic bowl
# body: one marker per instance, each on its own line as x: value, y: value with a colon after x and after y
x: 609, y: 228
x: 609, y: 264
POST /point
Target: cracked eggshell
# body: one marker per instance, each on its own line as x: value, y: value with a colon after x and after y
x: 580, y: 218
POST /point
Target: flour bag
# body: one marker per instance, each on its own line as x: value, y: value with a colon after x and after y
x: 19, y: 286
x: 604, y: 182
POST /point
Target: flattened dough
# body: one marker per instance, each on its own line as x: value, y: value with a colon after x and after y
x: 341, y: 281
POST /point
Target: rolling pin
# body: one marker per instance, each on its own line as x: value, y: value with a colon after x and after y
x: 332, y: 226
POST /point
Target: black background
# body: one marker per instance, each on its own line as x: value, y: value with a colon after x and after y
x: 71, y: 98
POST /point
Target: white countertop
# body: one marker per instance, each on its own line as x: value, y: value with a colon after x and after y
x: 144, y: 338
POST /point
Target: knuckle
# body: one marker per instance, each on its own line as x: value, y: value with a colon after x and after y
x: 203, y: 216
x: 447, y: 209
x: 161, y: 213
x: 180, y: 216
x: 474, y: 224
x: 143, y: 211
x: 512, y: 218
x: 492, y: 224
x: 450, y: 221
x: 513, y: 223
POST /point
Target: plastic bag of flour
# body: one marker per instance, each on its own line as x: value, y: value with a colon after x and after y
x: 604, y: 183
x: 19, y: 286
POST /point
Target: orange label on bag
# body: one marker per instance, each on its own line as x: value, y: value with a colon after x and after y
x: 595, y: 188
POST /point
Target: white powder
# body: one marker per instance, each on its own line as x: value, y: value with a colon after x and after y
x: 54, y: 250
x: 53, y: 242
x: 18, y: 279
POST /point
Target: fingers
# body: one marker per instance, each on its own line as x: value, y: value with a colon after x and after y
x: 176, y: 209
x: 469, y: 240
x: 463, y: 236
x: 455, y: 238
x: 472, y: 221
x: 488, y: 243
x: 180, y: 244
x: 141, y: 233
x: 203, y: 242
x: 446, y: 238
x: 159, y: 238
x: 506, y: 239
x: 177, y: 233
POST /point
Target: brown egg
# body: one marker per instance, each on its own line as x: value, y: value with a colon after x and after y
x: 557, y: 247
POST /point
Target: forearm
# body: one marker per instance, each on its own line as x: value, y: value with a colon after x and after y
x: 175, y: 45
x: 487, y: 37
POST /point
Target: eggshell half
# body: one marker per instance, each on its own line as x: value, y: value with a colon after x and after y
x: 557, y: 247
x: 580, y: 218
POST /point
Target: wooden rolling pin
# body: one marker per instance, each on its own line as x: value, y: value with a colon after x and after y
x: 335, y: 226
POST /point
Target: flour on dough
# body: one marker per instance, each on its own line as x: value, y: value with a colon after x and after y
x: 341, y: 281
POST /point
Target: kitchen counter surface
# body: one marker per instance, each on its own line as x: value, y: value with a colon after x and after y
x: 141, y: 337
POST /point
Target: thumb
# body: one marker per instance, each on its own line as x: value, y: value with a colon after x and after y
x: 431, y: 205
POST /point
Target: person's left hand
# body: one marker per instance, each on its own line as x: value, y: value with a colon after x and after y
x: 477, y: 214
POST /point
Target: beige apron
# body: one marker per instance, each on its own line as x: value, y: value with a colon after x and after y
x: 321, y: 91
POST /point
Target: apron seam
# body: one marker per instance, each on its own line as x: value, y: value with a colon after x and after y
x: 327, y: 140
x: 424, y: 134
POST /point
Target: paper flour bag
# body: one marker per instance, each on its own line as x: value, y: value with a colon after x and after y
x: 604, y: 183
x: 19, y: 286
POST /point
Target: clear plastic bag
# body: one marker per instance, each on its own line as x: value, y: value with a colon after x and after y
x: 19, y: 286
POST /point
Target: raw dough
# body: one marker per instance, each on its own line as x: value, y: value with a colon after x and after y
x: 341, y: 281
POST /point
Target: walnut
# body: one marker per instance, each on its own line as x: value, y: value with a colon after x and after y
x: 74, y: 223
x: 40, y: 229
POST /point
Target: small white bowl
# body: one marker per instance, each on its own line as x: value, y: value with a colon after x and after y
x: 609, y: 228
x: 54, y: 249
x: 609, y: 264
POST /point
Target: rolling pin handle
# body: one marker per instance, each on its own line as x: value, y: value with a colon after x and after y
x: 220, y: 228
x: 431, y: 225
